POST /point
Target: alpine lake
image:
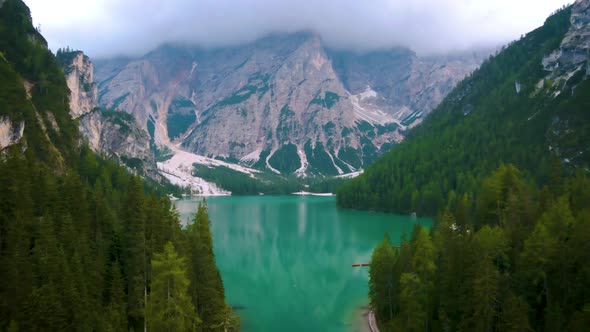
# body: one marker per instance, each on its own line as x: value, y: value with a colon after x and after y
x: 286, y: 261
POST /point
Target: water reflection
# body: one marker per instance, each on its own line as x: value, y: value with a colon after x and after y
x: 287, y: 260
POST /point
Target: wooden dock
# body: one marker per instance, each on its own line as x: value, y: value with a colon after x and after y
x: 360, y: 264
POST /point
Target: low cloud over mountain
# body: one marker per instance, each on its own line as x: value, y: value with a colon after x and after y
x: 131, y: 27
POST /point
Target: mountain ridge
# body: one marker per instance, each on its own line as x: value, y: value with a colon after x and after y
x: 516, y: 108
x: 227, y: 103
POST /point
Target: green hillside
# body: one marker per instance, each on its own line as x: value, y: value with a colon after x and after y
x: 509, y: 247
x: 84, y: 245
x: 485, y: 121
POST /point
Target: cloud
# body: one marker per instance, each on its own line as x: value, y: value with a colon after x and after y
x: 133, y: 27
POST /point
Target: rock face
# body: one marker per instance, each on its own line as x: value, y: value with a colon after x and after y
x: 285, y: 103
x: 568, y: 71
x: 117, y: 135
x: 576, y: 44
x: 10, y: 133
x: 79, y: 72
x: 572, y: 55
x: 112, y: 134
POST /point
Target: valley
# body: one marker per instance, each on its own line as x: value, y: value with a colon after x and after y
x: 276, y: 166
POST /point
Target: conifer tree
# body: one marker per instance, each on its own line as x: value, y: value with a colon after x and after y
x: 489, y: 256
x: 413, y: 311
x: 116, y: 313
x: 169, y: 307
x: 382, y: 283
x: 212, y: 308
x: 134, y: 254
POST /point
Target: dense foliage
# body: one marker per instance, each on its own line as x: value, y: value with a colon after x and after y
x: 76, y: 252
x: 509, y: 250
x: 266, y: 182
x: 515, y: 259
x: 84, y: 245
x: 484, y: 121
x: 178, y: 123
x: 243, y: 184
x: 327, y: 185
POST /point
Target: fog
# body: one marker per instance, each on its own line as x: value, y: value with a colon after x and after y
x: 133, y: 27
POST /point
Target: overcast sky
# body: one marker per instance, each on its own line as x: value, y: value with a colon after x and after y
x: 133, y: 27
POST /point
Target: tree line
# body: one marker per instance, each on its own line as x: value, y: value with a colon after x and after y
x: 513, y: 259
x: 84, y: 245
x: 95, y: 250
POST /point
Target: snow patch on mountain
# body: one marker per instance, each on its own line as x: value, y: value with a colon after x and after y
x: 368, y: 93
x: 338, y: 169
x: 179, y: 171
x: 194, y: 66
x: 183, y: 179
x: 300, y: 172
x: 365, y: 113
x: 251, y: 157
x: 350, y: 175
x: 268, y: 164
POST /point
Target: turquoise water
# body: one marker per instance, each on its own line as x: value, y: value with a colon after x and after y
x: 286, y: 260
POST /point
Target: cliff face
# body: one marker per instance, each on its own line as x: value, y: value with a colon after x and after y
x: 400, y: 83
x: 572, y: 54
x: 79, y: 76
x: 10, y: 133
x: 117, y: 135
x: 568, y: 69
x: 112, y: 134
x: 285, y: 103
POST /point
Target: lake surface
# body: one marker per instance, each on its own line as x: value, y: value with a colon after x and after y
x: 286, y: 260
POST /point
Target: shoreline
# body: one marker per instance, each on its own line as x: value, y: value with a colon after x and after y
x: 365, y: 320
x: 372, y: 322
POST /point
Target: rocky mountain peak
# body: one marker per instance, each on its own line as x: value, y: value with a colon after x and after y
x: 576, y: 43
x: 79, y: 72
x: 573, y: 53
x: 112, y: 134
x: 285, y: 103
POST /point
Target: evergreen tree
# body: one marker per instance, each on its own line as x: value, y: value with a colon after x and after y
x: 422, y: 282
x: 515, y: 315
x: 212, y: 309
x: 489, y: 257
x: 170, y: 307
x: 116, y: 313
x: 413, y: 311
x: 382, y: 282
x: 134, y: 254
x: 46, y: 307
x: 526, y: 272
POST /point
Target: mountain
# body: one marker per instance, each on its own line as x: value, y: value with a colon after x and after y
x: 527, y: 105
x: 285, y: 103
x: 79, y: 72
x: 111, y: 134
